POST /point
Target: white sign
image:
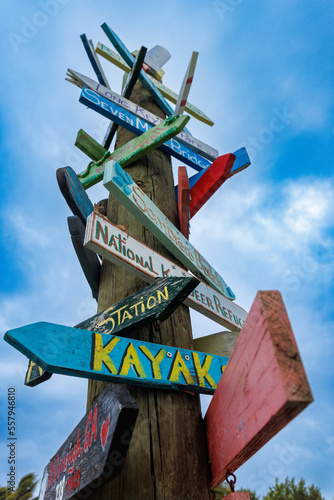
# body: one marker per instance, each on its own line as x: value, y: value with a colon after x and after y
x: 119, y: 247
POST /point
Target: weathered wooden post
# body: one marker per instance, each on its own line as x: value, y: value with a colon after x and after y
x: 167, y: 456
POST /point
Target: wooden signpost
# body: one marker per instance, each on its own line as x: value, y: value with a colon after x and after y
x: 264, y: 387
x: 143, y: 114
x: 156, y: 58
x: 134, y: 149
x: 119, y: 247
x: 153, y: 303
x: 120, y: 185
x: 94, y: 60
x: 95, y: 451
x: 210, y: 181
x: 183, y: 201
x: 221, y: 344
x: 109, y: 358
x: 74, y: 193
x: 131, y: 122
x: 111, y: 56
x: 186, y: 84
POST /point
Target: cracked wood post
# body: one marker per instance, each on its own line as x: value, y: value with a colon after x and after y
x: 167, y: 457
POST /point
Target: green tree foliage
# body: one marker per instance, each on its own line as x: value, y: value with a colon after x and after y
x: 223, y: 490
x: 24, y: 490
x: 289, y: 490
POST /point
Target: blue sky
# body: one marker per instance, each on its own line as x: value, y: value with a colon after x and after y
x: 273, y: 223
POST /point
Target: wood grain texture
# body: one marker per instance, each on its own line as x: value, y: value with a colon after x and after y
x: 121, y: 185
x: 221, y: 344
x: 188, y: 140
x: 183, y: 201
x: 169, y: 427
x: 210, y: 182
x: 263, y: 388
x: 95, y: 451
x: 121, y: 248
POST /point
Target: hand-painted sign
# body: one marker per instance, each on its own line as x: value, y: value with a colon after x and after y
x: 89, y: 145
x: 74, y: 193
x: 89, y: 261
x: 95, y: 451
x: 99, y: 356
x: 119, y: 247
x: 264, y: 387
x: 155, y: 302
x: 186, y: 84
x: 188, y: 140
x: 94, y: 60
x: 111, y: 56
x: 131, y: 122
x: 126, y: 92
x: 143, y: 77
x: 121, y: 185
x: 221, y: 344
x: 133, y: 149
x: 210, y: 181
x: 156, y: 58
x: 183, y: 201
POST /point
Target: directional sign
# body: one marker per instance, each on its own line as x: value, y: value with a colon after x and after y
x: 131, y: 122
x: 143, y: 77
x: 121, y: 185
x: 111, y: 56
x: 241, y: 162
x: 89, y: 261
x: 183, y: 201
x: 188, y: 140
x: 94, y: 60
x: 155, y: 302
x: 121, y: 248
x: 89, y: 145
x: 95, y: 451
x: 74, y: 193
x: 126, y: 92
x: 186, y: 84
x: 133, y: 149
x: 156, y: 58
x: 210, y: 181
x: 109, y: 358
x: 221, y: 344
x: 264, y: 387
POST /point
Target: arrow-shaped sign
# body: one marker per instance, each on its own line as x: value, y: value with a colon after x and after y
x: 186, y: 84
x: 153, y: 303
x: 188, y: 140
x: 121, y: 185
x: 99, y: 356
x: 111, y: 56
x: 120, y: 247
x: 156, y: 58
x: 74, y: 193
x: 94, y: 60
x: 133, y: 149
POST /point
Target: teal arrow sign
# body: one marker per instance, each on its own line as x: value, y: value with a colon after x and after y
x: 98, y: 356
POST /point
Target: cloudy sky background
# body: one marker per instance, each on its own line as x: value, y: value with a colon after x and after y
x: 269, y: 227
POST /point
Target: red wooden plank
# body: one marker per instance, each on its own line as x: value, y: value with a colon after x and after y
x: 183, y: 204
x: 210, y: 181
x: 263, y: 388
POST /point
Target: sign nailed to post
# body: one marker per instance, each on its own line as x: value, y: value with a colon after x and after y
x: 121, y: 185
x: 99, y: 356
x: 119, y: 247
x: 95, y: 450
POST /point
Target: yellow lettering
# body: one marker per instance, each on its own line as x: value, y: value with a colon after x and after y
x: 126, y: 315
x: 161, y: 294
x: 155, y: 360
x: 179, y: 366
x: 130, y: 358
x: 101, y: 354
x: 148, y: 302
x: 203, y: 370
